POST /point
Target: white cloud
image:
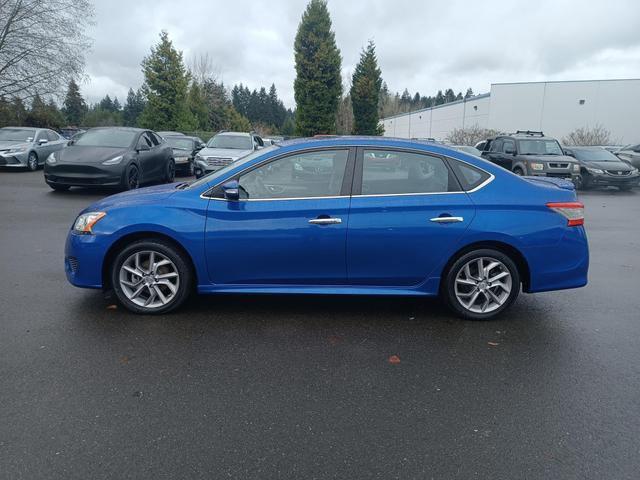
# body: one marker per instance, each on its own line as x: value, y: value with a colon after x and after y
x: 422, y: 45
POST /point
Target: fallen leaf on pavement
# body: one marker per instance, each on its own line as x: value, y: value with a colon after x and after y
x: 493, y: 344
x: 394, y: 359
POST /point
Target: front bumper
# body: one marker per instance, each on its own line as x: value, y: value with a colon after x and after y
x: 14, y: 160
x: 83, y: 175
x: 604, y: 179
x: 83, y: 257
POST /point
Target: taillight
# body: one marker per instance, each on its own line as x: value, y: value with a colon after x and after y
x: 572, y: 211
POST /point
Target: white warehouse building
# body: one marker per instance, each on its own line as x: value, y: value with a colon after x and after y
x: 556, y: 108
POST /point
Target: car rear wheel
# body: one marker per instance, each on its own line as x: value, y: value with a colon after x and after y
x: 518, y: 171
x: 170, y: 174
x: 481, y: 284
x: 151, y: 277
x: 32, y: 161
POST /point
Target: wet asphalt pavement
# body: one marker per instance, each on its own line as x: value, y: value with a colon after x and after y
x: 302, y: 387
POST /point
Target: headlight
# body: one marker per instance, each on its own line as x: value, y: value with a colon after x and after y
x: 51, y: 159
x: 576, y: 168
x: 634, y: 171
x: 16, y: 150
x: 85, y: 222
x: 537, y: 166
x: 113, y: 161
x: 594, y: 170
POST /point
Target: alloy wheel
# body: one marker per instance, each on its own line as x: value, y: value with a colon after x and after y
x: 149, y: 279
x: 32, y: 162
x: 483, y: 285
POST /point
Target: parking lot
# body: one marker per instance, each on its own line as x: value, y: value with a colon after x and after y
x: 308, y: 387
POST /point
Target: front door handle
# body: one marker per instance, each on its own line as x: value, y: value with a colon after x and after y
x: 447, y: 219
x: 325, y: 221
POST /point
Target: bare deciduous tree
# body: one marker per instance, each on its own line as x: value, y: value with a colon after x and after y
x: 470, y: 135
x: 597, y: 135
x: 42, y: 45
x: 203, y: 69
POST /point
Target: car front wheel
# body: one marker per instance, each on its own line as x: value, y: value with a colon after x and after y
x: 32, y: 161
x: 481, y: 284
x: 151, y: 277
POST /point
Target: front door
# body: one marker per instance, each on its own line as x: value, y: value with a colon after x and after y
x: 407, y: 214
x: 289, y: 226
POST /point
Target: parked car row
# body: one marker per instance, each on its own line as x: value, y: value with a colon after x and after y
x: 531, y: 153
x: 120, y: 157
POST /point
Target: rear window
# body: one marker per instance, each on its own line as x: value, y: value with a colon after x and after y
x: 469, y: 177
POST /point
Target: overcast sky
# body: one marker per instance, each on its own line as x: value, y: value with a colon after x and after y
x: 422, y: 45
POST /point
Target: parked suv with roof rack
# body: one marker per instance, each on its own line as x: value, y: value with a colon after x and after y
x: 530, y: 153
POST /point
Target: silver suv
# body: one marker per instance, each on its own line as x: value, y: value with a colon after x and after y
x: 223, y: 149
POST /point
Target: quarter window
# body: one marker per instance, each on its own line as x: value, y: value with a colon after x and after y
x: 387, y: 172
x: 309, y: 174
x: 469, y: 177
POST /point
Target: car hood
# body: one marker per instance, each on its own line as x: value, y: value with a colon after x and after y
x: 133, y: 198
x: 224, y: 152
x: 6, y: 145
x: 550, y: 158
x: 88, y: 154
x: 621, y: 166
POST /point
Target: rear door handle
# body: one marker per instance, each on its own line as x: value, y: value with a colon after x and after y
x: 447, y: 219
x: 325, y: 221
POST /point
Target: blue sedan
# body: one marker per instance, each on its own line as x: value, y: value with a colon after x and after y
x: 337, y: 215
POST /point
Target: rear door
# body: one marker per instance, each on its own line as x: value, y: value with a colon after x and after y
x: 405, y: 217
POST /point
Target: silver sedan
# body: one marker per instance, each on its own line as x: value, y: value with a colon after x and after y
x: 23, y: 147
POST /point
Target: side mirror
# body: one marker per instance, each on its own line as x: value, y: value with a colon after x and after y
x: 143, y: 147
x: 42, y: 141
x: 231, y: 190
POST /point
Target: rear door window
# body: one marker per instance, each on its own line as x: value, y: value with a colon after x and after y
x: 390, y: 172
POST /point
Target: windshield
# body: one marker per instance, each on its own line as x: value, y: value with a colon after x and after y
x: 177, y: 142
x: 107, y: 137
x: 595, y: 155
x: 540, y: 147
x: 17, y: 134
x: 218, y: 173
x: 236, y: 142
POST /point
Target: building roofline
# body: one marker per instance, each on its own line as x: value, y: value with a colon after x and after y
x: 435, y: 107
x: 569, y: 81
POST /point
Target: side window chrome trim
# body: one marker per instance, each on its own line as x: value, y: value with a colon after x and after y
x: 490, y: 179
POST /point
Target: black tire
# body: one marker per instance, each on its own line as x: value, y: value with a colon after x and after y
x: 32, y: 162
x: 586, y: 181
x: 59, y: 188
x: 168, y: 250
x: 170, y: 171
x: 131, y: 178
x: 448, y: 289
x: 625, y: 188
x: 518, y: 171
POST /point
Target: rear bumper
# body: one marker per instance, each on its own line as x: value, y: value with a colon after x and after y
x: 564, y: 265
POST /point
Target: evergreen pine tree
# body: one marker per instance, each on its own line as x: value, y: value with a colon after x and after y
x: 469, y: 93
x: 365, y: 91
x: 133, y: 107
x: 318, y: 84
x: 74, y: 107
x: 166, y: 84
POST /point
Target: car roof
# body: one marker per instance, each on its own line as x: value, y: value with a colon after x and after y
x: 353, y: 140
x: 130, y: 129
